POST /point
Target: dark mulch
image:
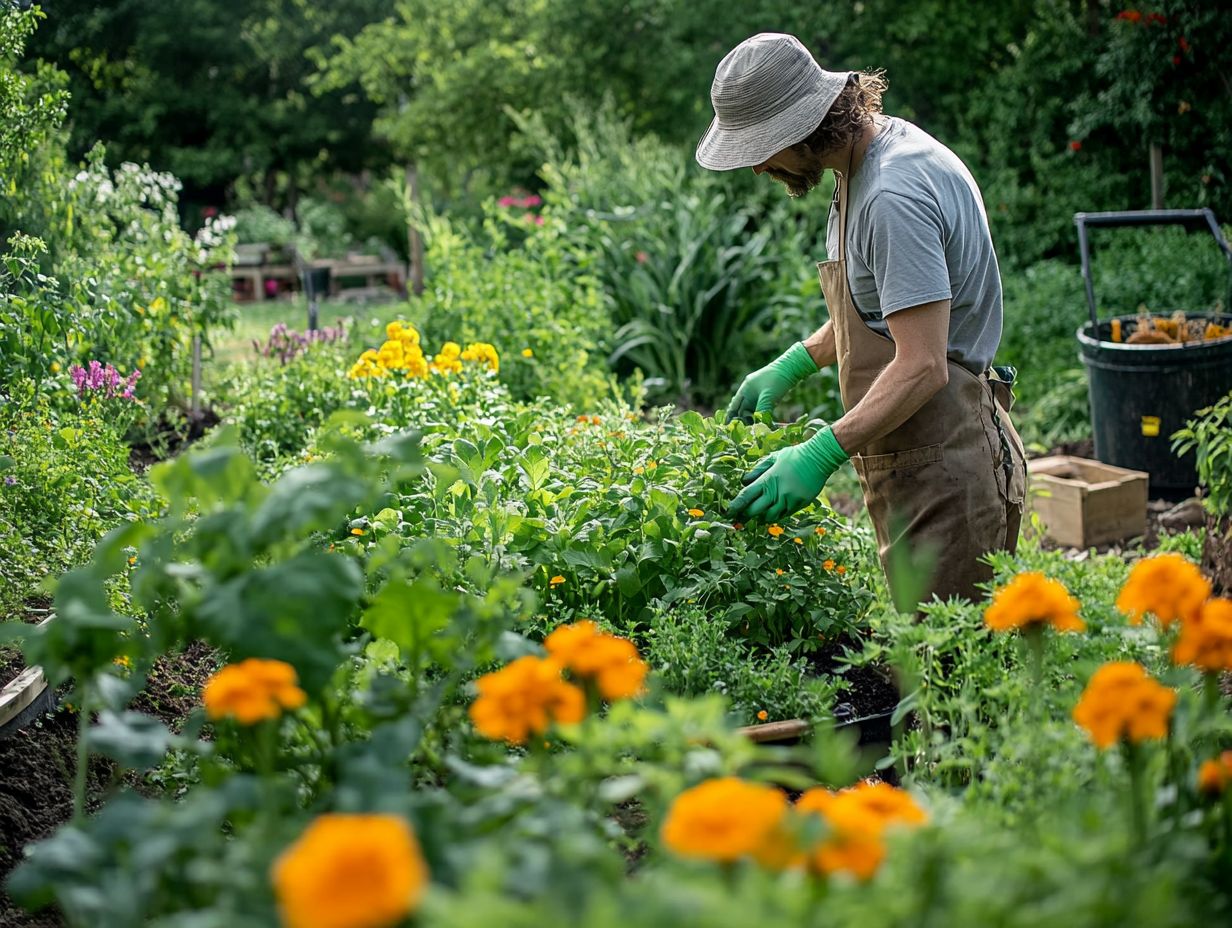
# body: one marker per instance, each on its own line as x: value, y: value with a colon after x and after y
x: 169, y: 439
x: 36, y: 797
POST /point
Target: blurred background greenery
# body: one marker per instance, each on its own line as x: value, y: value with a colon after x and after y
x: 308, y: 122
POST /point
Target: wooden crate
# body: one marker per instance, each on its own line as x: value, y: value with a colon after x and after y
x: 1084, y: 503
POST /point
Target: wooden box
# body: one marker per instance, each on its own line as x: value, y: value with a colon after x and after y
x: 1084, y: 503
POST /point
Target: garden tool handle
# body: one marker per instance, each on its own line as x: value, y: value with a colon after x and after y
x: 1192, y: 219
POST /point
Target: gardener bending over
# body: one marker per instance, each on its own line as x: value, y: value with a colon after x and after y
x: 914, y: 298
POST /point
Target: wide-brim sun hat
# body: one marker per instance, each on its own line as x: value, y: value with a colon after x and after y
x: 768, y: 93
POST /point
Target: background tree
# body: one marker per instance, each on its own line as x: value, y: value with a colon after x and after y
x: 212, y: 90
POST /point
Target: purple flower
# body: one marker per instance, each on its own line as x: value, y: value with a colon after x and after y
x: 103, y: 379
x: 10, y: 480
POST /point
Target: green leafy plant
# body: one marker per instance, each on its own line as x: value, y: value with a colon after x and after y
x: 1209, y: 436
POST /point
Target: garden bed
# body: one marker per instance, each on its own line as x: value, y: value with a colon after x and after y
x: 39, y: 761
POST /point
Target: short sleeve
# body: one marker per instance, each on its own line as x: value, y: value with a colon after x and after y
x: 907, y: 252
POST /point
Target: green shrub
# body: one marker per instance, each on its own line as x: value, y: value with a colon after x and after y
x: 519, y: 296
x: 703, y: 275
x: 694, y: 654
x: 64, y: 480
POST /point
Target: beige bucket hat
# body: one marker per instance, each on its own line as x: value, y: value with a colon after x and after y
x: 768, y: 93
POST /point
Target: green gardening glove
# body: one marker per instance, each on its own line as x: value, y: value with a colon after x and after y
x: 787, y: 480
x: 760, y: 390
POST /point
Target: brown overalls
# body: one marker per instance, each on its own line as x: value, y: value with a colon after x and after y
x: 948, y: 484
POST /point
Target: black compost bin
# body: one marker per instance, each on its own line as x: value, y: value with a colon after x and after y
x: 1141, y: 394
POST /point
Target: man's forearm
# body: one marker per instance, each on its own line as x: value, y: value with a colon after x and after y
x: 821, y: 347
x: 897, y: 394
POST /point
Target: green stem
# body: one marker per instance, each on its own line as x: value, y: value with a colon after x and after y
x: 1137, y: 797
x: 1211, y: 696
x: 83, y: 758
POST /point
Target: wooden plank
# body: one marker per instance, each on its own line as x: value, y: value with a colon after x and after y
x: 776, y: 731
x: 21, y: 692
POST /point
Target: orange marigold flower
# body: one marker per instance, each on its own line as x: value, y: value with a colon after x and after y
x: 857, y: 819
x: 252, y: 690
x: 613, y: 663
x: 1206, y: 641
x: 696, y: 513
x: 350, y: 871
x: 524, y: 698
x: 820, y: 530
x: 556, y: 581
x: 357, y: 531
x: 1123, y: 701
x: 738, y: 526
x: 724, y: 819
x: 1167, y: 586
x: 775, y: 530
x: 828, y: 564
x: 798, y: 540
x: 779, y: 571
x: 1033, y: 600
x: 1214, y: 775
x: 841, y: 569
x: 763, y: 715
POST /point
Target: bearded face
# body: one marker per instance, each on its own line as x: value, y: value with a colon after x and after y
x: 799, y: 182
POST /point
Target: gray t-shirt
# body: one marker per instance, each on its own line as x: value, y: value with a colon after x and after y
x: 917, y: 232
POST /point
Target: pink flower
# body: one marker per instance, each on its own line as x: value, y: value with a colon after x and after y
x: 532, y: 200
x: 508, y: 201
x: 538, y: 220
x: 210, y: 212
x: 641, y: 257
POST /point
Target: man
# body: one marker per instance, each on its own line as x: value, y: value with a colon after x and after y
x: 914, y: 297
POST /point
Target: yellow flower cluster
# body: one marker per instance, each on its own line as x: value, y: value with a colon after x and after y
x: 1033, y: 600
x: 728, y: 819
x: 350, y: 871
x: 402, y: 353
x: 530, y: 694
x: 612, y: 663
x: 449, y: 360
x: 252, y: 690
x: 1122, y: 701
x: 483, y: 353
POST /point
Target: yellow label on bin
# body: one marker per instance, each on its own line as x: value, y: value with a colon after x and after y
x: 1150, y: 426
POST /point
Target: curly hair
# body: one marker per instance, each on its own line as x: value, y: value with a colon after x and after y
x: 854, y: 109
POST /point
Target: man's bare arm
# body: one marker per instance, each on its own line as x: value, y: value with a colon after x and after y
x: 821, y: 347
x: 919, y: 370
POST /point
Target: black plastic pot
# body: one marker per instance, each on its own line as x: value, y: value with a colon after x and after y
x: 1141, y: 394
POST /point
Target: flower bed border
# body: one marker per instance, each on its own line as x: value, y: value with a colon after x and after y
x: 25, y: 696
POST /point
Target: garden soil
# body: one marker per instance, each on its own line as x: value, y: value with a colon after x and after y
x: 37, y: 766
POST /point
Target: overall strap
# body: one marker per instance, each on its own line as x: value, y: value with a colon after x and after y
x: 840, y: 184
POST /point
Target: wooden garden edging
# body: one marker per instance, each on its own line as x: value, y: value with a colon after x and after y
x: 22, y: 692
x: 875, y: 727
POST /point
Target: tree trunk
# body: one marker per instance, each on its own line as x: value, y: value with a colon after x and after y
x: 414, y: 239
